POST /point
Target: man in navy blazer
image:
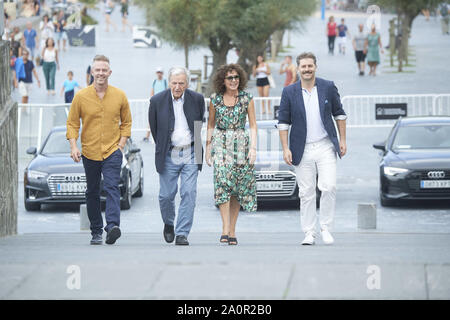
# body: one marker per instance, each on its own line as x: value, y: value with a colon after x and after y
x: 175, y: 117
x: 307, y: 108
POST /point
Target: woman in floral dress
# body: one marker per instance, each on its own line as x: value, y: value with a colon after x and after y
x: 231, y: 148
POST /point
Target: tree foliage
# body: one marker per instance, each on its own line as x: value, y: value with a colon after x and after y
x: 177, y: 21
x: 223, y: 24
x: 407, y: 11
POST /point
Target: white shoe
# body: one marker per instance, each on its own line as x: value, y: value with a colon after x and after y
x: 309, y: 239
x: 327, y: 237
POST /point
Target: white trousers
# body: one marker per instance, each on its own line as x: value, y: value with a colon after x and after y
x: 318, y: 157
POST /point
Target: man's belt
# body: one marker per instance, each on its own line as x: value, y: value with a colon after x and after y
x: 179, y: 148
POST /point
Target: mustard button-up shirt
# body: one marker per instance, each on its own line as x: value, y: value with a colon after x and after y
x: 104, y: 121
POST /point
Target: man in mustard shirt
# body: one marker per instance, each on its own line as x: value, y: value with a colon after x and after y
x: 106, y: 118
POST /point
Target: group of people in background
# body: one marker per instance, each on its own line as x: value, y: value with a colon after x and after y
x: 30, y: 49
x: 367, y: 45
x: 109, y: 6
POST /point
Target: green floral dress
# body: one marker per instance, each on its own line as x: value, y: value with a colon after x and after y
x: 233, y: 174
x: 373, y: 54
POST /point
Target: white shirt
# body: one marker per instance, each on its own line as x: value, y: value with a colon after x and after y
x: 181, y: 135
x: 261, y: 72
x: 315, y: 130
x: 49, y: 55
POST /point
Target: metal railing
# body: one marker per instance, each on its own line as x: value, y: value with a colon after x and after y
x: 361, y: 109
x: 36, y: 120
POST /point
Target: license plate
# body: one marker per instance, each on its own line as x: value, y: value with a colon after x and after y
x: 71, y: 187
x: 275, y: 185
x: 434, y: 184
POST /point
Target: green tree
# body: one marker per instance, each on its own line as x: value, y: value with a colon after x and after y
x: 177, y: 21
x: 223, y: 24
x: 86, y: 19
x: 260, y: 19
x: 407, y: 11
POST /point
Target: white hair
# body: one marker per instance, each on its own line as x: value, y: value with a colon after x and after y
x: 175, y: 71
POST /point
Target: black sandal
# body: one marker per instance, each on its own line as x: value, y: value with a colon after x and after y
x: 232, y: 241
x: 224, y: 238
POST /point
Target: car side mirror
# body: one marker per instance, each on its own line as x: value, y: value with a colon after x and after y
x: 32, y: 150
x: 134, y: 150
x: 380, y: 146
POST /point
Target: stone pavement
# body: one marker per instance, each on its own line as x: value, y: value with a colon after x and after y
x: 264, y: 265
x: 360, y: 265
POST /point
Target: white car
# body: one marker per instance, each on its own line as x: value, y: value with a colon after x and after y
x: 145, y: 37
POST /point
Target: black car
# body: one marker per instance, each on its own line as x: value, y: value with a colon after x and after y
x: 53, y: 177
x: 415, y: 162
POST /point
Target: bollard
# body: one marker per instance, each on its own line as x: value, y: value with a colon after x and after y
x: 84, y: 220
x: 367, y: 216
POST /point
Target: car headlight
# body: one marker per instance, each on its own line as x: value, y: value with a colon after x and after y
x: 392, y: 171
x: 32, y: 174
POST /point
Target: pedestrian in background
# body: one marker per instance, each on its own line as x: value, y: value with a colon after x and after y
x: 37, y: 7
x: 68, y: 88
x: 308, y: 108
x: 50, y: 64
x: 23, y: 75
x: 261, y: 71
x: 124, y: 12
x: 15, y: 38
x: 61, y: 33
x: 158, y: 85
x: 444, y: 10
x: 289, y: 68
x: 342, y: 36
x: 373, y: 46
x: 359, y: 43
x: 106, y: 118
x: 175, y: 117
x: 47, y: 30
x: 30, y: 39
x: 109, y: 8
x: 230, y: 148
x: 331, y: 32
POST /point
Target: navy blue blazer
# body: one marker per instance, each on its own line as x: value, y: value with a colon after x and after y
x: 161, y: 118
x: 292, y: 112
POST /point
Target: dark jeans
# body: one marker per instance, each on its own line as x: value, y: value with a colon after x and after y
x: 110, y: 167
x: 68, y: 96
x: 49, y: 69
x: 331, y: 40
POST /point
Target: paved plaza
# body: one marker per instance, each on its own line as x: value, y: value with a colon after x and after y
x: 406, y: 257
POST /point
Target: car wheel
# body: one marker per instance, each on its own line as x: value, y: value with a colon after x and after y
x: 140, y: 192
x: 32, y: 206
x: 125, y: 204
x: 296, y: 204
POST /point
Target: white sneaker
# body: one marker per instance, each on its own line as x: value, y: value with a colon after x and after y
x: 327, y: 237
x: 309, y: 239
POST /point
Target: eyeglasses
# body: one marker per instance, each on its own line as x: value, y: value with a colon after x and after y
x: 231, y: 78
